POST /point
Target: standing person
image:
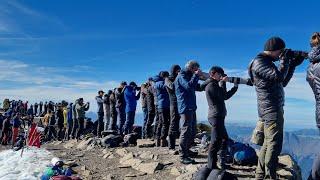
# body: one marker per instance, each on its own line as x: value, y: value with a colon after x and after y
x: 40, y: 107
x: 156, y: 117
x: 100, y: 112
x: 131, y: 97
x: 106, y: 108
x: 45, y: 123
x: 121, y: 105
x: 5, y: 135
x: 81, y: 109
x: 151, y: 109
x: 15, y: 128
x: 60, y: 121
x: 216, y: 94
x: 68, y: 133
x: 186, y: 84
x: 313, y: 72
x: 6, y: 105
x: 52, y: 124
x: 174, y: 114
x: 163, y: 109
x: 36, y: 109
x: 144, y: 107
x: 46, y: 107
x: 25, y: 106
x: 65, y: 119
x: 269, y: 81
x: 75, y: 120
x: 113, y: 110
x: 30, y: 111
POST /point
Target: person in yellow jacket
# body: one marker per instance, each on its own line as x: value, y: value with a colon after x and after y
x: 65, y: 119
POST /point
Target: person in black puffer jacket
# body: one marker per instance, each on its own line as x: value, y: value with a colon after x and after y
x: 313, y: 72
x: 269, y: 81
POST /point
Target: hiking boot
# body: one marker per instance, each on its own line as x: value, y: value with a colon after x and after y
x: 164, y: 143
x: 173, y: 152
x: 193, y: 154
x: 187, y: 160
x: 158, y: 142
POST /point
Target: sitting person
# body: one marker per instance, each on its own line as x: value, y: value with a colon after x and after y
x: 56, y: 169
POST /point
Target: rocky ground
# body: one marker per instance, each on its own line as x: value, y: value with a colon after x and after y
x: 144, y: 161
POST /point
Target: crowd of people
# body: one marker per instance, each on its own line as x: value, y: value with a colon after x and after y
x: 169, y: 106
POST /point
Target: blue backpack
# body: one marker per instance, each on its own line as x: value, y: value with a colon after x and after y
x: 243, y: 154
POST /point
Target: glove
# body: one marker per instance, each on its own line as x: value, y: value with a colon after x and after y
x: 296, y: 61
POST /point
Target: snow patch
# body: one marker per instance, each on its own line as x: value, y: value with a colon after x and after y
x: 30, y: 166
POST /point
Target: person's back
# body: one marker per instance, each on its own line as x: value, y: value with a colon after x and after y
x: 130, y: 99
x: 185, y: 87
x: 162, y: 94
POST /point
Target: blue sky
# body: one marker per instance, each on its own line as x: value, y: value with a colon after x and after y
x: 68, y: 49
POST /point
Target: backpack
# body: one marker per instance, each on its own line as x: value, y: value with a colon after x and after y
x: 243, y: 154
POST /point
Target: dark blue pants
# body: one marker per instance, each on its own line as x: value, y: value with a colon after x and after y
x: 100, y: 126
x: 129, y: 122
x: 163, y: 125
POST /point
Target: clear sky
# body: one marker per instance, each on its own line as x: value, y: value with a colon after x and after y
x: 68, y: 49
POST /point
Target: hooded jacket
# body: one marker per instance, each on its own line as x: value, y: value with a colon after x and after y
x: 162, y: 94
x: 169, y: 82
x: 70, y: 113
x: 131, y: 98
x: 81, y: 110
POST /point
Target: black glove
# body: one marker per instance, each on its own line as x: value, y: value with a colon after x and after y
x: 296, y: 61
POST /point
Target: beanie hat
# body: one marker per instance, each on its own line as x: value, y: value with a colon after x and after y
x: 274, y: 44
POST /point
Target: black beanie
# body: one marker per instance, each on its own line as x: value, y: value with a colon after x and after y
x: 274, y: 44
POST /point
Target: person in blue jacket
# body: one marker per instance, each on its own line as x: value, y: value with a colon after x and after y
x: 186, y: 84
x: 163, y: 109
x: 131, y: 97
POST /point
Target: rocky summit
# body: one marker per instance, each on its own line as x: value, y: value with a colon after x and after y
x: 144, y: 161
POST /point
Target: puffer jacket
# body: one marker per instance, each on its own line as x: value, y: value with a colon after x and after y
x: 269, y: 81
x: 313, y: 78
x: 100, y: 101
x: 150, y: 100
x: 186, y: 84
x: 131, y: 98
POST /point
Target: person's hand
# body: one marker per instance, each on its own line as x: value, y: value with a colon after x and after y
x: 225, y: 78
x: 198, y: 72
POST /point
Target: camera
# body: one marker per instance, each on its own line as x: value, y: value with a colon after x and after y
x: 239, y: 80
x: 291, y: 54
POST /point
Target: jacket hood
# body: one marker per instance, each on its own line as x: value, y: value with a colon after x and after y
x: 157, y: 78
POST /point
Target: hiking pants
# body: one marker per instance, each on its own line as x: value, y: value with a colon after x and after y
x: 127, y: 129
x: 272, y: 146
x: 113, y: 120
x: 145, y: 120
x: 164, y: 122
x: 188, y: 132
x: 174, y: 126
x: 107, y: 116
x: 219, y: 137
x: 100, y: 126
x: 122, y: 118
x: 148, y: 127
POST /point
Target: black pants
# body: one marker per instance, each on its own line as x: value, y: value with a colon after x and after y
x: 122, y: 118
x: 156, y: 123
x: 79, y: 127
x: 100, y: 126
x: 164, y: 122
x: 114, y: 119
x: 188, y: 132
x: 148, y: 127
x: 145, y: 120
x: 60, y: 132
x: 174, y: 126
x: 219, y: 137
